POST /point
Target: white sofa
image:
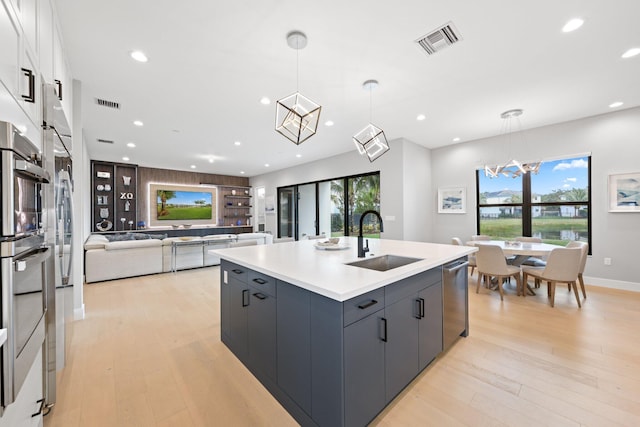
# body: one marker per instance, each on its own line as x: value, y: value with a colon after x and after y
x: 105, y: 260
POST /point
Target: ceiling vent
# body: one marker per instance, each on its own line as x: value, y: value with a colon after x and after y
x: 105, y: 141
x: 440, y: 38
x: 108, y: 104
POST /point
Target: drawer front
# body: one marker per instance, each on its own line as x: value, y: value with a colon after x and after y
x: 412, y: 285
x: 361, y: 306
x: 262, y: 282
x: 236, y: 271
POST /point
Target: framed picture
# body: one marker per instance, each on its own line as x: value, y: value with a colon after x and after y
x: 624, y: 192
x: 452, y: 200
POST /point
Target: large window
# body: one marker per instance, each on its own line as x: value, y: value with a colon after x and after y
x: 554, y: 204
x: 332, y: 207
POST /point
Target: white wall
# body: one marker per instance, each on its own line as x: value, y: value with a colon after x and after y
x: 613, y: 141
x: 405, y: 193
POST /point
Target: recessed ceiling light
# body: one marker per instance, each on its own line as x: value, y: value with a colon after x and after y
x: 138, y: 123
x: 211, y: 160
x: 241, y: 172
x: 615, y: 104
x: 298, y: 155
x: 631, y: 52
x: 139, y: 56
x: 572, y: 25
x: 237, y: 143
x: 131, y: 145
x: 421, y: 117
x: 192, y: 166
x: 456, y: 139
x: 328, y: 123
x: 265, y: 101
x: 266, y: 165
x: 126, y: 159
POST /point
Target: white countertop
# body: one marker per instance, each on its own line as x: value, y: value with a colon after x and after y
x: 324, y: 271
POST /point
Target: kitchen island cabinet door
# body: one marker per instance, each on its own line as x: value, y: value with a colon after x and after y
x: 401, y: 349
x: 262, y: 332
x: 364, y: 369
x: 238, y: 319
x: 431, y: 324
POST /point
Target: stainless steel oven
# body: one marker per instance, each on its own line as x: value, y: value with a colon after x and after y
x: 24, y: 287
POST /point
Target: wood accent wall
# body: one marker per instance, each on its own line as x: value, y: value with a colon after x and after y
x: 175, y: 177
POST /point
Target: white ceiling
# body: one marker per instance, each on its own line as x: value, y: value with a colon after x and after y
x: 210, y: 62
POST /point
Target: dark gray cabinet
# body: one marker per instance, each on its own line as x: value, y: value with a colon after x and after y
x: 331, y: 363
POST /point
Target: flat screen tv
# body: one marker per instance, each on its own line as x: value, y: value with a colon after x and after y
x: 184, y: 205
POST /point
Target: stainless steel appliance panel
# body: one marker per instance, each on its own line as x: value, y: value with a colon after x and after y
x: 455, y: 282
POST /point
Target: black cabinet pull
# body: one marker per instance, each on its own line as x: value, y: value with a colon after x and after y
x: 384, y: 329
x: 58, y: 89
x: 260, y: 281
x: 237, y: 271
x: 41, y: 402
x: 260, y: 296
x: 421, y: 307
x: 31, y: 96
x: 418, y: 309
x: 245, y: 297
x: 367, y: 305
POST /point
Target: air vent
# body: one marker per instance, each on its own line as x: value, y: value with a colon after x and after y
x: 440, y: 38
x: 108, y: 104
x: 105, y: 141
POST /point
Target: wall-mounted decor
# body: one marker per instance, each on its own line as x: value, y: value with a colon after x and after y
x: 624, y: 192
x: 452, y: 200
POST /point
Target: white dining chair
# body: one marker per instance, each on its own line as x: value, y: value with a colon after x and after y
x: 471, y: 258
x: 319, y: 236
x: 243, y: 243
x: 562, y: 266
x: 492, y: 263
x: 532, y: 261
x: 480, y: 237
x: 584, y: 246
x: 284, y: 240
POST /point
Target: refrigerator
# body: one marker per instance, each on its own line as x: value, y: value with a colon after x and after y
x: 60, y: 228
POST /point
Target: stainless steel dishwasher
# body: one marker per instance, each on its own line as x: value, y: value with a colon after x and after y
x: 455, y: 300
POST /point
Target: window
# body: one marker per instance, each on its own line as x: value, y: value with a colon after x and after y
x: 332, y: 207
x: 554, y: 204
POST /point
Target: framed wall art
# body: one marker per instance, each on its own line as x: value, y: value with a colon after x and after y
x: 624, y: 192
x: 452, y: 200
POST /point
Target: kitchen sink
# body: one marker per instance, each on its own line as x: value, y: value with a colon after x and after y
x: 384, y: 263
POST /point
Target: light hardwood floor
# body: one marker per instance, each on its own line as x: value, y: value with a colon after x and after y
x: 149, y: 354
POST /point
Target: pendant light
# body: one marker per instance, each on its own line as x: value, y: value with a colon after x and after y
x: 297, y: 116
x: 513, y: 168
x: 371, y: 140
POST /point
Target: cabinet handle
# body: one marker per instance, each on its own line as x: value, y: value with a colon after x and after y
x: 367, y: 305
x: 237, y: 271
x: 421, y: 300
x: 245, y: 297
x: 260, y: 281
x: 31, y: 96
x: 384, y: 329
x: 418, y: 309
x: 41, y: 402
x: 58, y: 89
x: 260, y: 296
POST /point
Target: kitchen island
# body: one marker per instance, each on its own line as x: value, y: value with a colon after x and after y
x: 334, y: 343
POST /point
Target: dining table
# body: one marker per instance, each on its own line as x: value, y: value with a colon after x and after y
x: 521, y: 251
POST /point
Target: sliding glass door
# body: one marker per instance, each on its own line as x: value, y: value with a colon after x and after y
x: 307, y: 211
x: 286, y: 211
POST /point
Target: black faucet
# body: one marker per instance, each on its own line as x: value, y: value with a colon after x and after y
x: 361, y: 249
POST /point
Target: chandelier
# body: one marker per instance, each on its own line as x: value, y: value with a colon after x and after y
x: 513, y: 168
x: 297, y: 116
x: 371, y: 140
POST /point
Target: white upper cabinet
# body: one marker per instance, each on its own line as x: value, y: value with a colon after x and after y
x: 29, y: 20
x: 45, y: 40
x: 10, y: 48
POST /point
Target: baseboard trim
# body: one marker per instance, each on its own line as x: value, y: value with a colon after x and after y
x: 78, y: 313
x: 613, y: 284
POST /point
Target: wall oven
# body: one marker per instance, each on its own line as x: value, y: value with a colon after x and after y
x: 26, y: 263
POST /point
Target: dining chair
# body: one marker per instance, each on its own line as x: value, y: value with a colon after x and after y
x: 284, y: 239
x: 243, y: 243
x: 584, y: 246
x: 471, y: 258
x: 562, y: 266
x: 319, y: 236
x: 492, y: 263
x: 480, y: 237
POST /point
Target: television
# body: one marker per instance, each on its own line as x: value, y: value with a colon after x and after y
x: 181, y: 205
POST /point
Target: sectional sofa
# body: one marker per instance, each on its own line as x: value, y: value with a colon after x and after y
x: 137, y: 254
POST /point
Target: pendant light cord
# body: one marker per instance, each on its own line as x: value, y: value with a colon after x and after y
x: 297, y: 64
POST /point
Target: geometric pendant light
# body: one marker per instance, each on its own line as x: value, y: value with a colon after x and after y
x: 297, y: 116
x: 371, y: 140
